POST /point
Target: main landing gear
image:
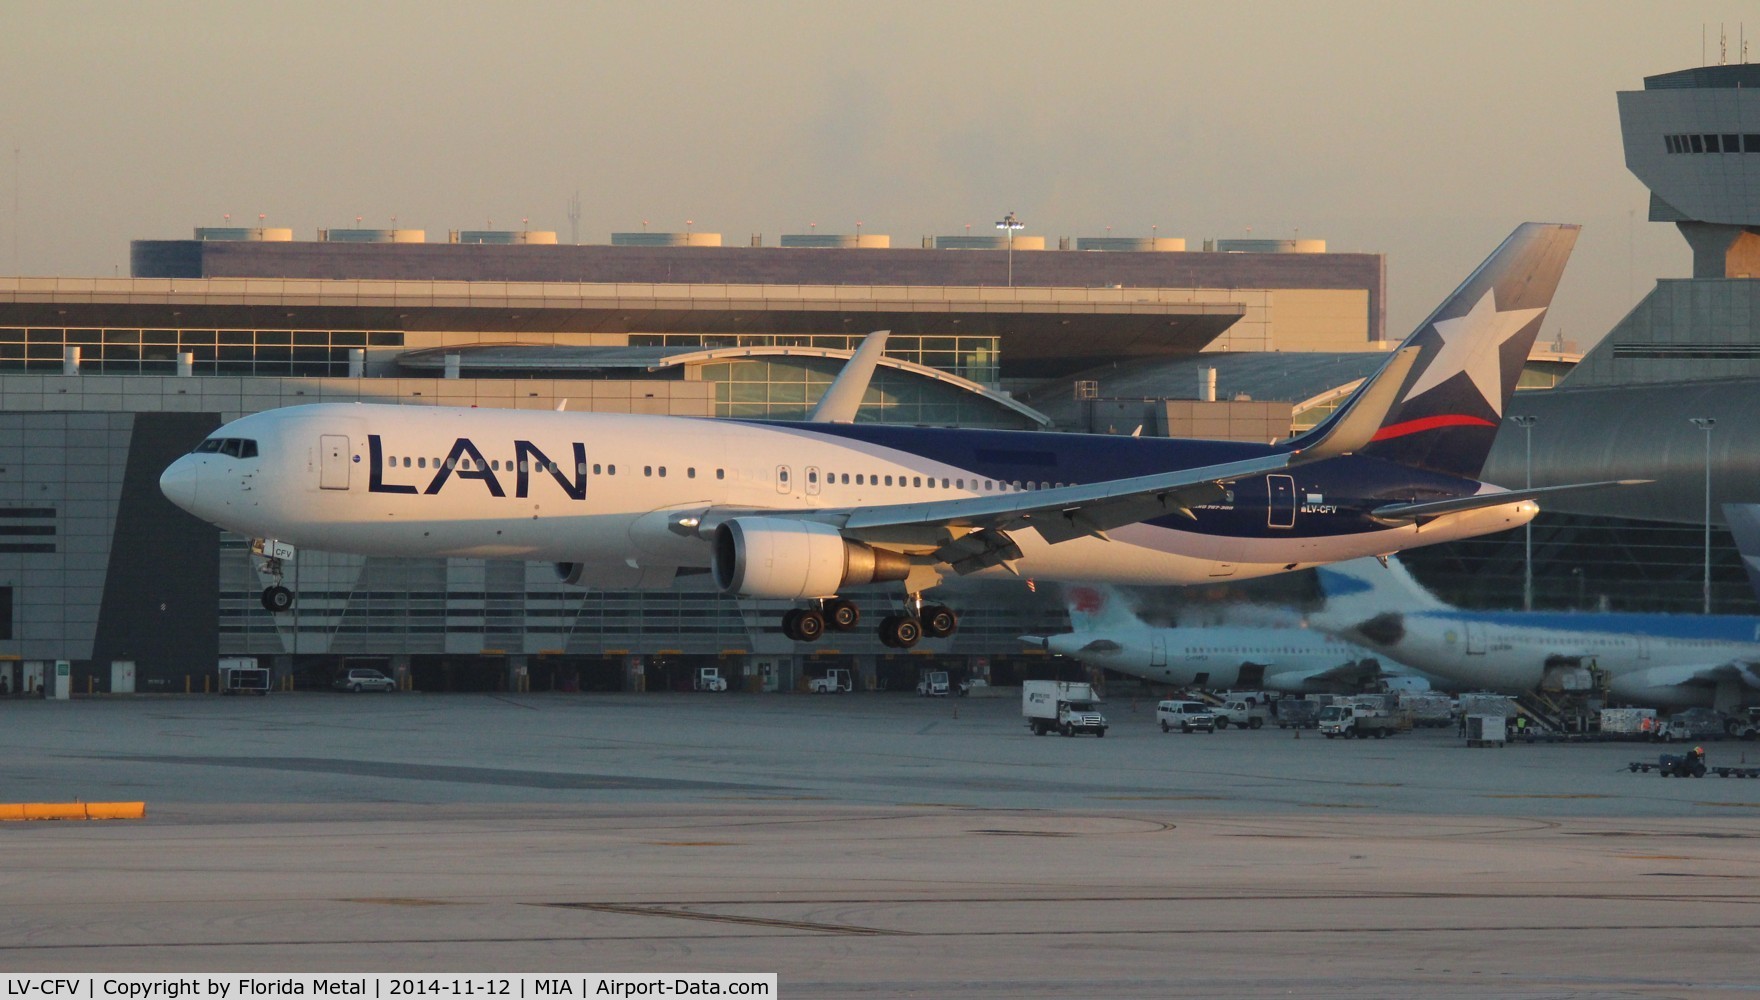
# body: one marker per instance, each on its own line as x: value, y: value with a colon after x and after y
x: 897, y: 631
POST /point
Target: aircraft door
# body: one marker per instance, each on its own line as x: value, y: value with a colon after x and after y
x: 784, y: 479
x: 812, y: 480
x: 1282, y: 493
x: 333, y: 462
x: 1157, y: 650
x: 1475, y: 638
x: 1643, y: 647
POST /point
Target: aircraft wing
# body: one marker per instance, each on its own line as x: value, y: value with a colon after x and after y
x: 971, y: 533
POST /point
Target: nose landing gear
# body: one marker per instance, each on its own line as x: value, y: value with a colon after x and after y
x: 277, y: 599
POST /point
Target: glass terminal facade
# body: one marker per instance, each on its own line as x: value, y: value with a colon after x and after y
x: 138, y: 351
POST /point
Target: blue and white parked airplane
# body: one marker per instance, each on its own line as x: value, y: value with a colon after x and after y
x: 1661, y: 660
x: 1106, y: 632
x: 804, y: 511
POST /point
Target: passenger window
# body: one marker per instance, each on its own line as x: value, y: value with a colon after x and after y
x: 889, y: 480
x: 987, y: 484
x: 720, y: 473
x: 647, y: 470
x: 611, y: 470
x: 421, y: 463
x: 916, y: 480
x: 597, y: 468
x: 691, y: 473
x: 846, y: 479
x: 859, y: 481
x: 663, y: 472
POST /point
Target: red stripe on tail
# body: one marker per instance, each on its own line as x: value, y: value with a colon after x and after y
x: 1429, y: 423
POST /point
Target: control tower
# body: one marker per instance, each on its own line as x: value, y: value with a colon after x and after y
x: 1693, y: 138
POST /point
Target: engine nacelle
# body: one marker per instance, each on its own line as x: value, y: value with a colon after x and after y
x: 570, y: 573
x: 785, y: 559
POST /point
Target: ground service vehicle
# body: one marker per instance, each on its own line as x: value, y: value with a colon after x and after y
x: 835, y: 681
x: 1355, y: 720
x: 1427, y: 709
x: 1185, y: 716
x: 932, y: 684
x: 1692, y: 724
x: 709, y: 679
x: 359, y: 679
x: 1061, y: 706
x: 1242, y: 713
x: 1298, y: 713
x: 1744, y: 725
x: 1682, y: 765
x: 241, y: 675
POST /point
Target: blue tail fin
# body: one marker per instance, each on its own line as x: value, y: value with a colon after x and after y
x: 1363, y: 588
x: 1470, y: 354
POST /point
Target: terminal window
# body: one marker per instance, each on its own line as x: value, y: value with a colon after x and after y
x: 5, y: 612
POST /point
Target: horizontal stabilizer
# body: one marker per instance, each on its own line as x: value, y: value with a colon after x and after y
x: 1425, y: 509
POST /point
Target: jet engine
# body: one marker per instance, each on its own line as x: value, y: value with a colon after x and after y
x: 784, y: 559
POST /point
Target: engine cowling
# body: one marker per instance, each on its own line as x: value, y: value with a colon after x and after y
x: 784, y: 559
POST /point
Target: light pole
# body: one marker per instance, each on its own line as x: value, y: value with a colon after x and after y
x: 1705, y: 424
x: 1526, y: 423
x: 1010, y: 223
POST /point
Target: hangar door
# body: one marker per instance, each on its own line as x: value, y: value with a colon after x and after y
x: 333, y: 462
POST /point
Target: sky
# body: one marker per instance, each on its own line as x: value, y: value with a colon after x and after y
x: 1424, y: 131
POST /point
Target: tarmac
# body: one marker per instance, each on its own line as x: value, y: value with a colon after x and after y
x: 865, y: 845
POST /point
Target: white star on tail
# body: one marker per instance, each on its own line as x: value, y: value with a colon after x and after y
x: 1473, y: 344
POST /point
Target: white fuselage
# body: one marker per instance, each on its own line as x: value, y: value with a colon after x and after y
x: 608, y: 490
x: 1481, y: 651
x: 1293, y: 660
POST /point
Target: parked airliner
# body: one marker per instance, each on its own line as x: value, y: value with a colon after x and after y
x: 803, y: 511
x: 1106, y: 632
x: 1661, y: 660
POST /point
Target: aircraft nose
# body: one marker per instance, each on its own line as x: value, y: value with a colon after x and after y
x: 178, y: 483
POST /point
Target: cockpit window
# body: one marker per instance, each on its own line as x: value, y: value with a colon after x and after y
x: 232, y: 447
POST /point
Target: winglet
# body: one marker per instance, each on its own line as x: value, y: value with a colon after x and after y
x: 1366, y: 411
x: 844, y: 398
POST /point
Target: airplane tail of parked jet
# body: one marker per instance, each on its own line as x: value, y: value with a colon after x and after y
x: 1364, y: 590
x: 1470, y: 355
x: 1744, y: 523
x: 1098, y: 607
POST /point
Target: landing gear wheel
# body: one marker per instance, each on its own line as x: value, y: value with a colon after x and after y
x: 842, y: 615
x: 277, y: 599
x: 809, y: 625
x: 900, y: 631
x: 939, y: 622
x: 789, y: 617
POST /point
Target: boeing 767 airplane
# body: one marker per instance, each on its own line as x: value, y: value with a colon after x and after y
x: 805, y: 511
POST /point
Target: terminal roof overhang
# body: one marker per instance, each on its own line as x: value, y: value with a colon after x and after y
x: 554, y: 361
x: 1044, y: 331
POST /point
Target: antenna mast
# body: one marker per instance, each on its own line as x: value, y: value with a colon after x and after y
x: 574, y: 219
